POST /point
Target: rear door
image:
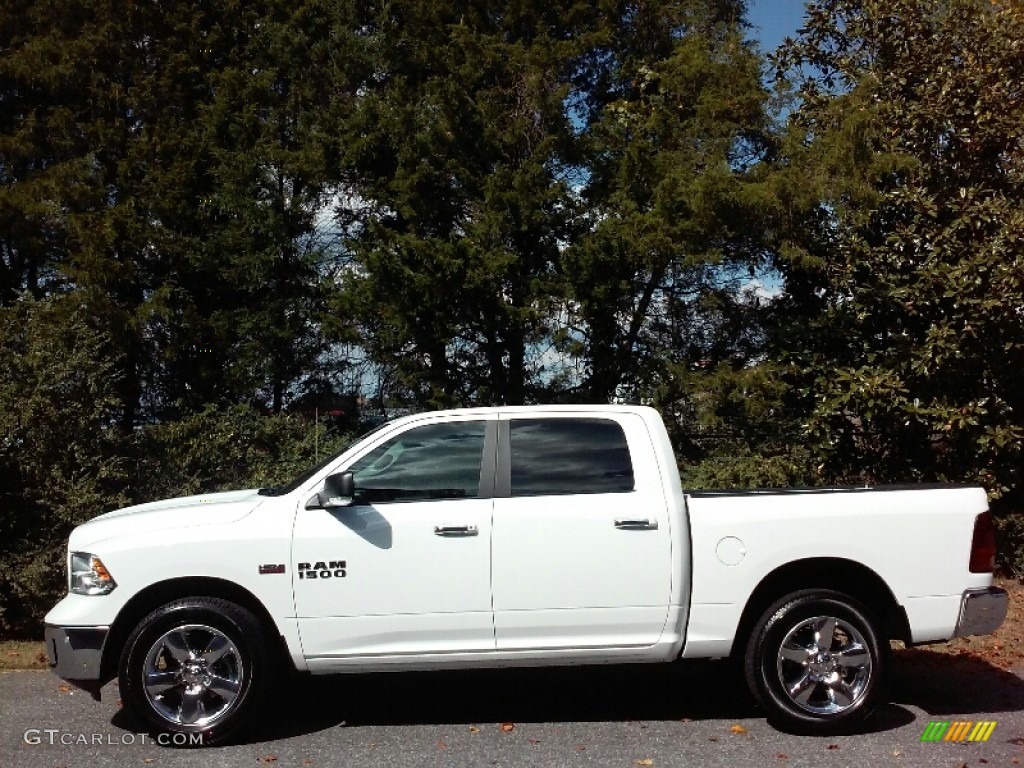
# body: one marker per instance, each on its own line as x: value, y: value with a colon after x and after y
x: 581, y: 546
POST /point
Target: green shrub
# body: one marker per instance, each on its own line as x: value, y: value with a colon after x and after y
x: 60, y: 461
x: 225, y: 449
x: 1010, y: 543
x: 742, y: 468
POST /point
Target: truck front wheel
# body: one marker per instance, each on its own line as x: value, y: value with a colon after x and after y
x: 195, y: 667
x: 816, y: 663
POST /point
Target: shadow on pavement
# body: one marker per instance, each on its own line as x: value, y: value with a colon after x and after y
x: 629, y: 692
x: 695, y: 690
x: 938, y: 683
x: 945, y: 684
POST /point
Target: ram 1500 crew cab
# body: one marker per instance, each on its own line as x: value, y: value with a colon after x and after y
x: 517, y: 536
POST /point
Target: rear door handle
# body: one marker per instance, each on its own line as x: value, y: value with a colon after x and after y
x: 455, y: 530
x: 633, y: 524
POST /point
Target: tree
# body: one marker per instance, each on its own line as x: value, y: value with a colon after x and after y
x: 676, y: 132
x: 909, y: 132
x: 557, y: 178
x: 35, y: 157
x: 244, y: 252
x: 456, y: 156
x: 169, y: 162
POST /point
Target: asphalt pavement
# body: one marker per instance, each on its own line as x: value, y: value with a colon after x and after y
x: 687, y: 714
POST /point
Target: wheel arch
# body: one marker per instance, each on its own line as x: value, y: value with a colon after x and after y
x: 162, y: 592
x: 834, y: 573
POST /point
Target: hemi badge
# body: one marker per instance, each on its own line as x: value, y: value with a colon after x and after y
x: 271, y: 568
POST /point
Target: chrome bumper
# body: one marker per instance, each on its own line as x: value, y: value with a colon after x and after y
x: 76, y: 654
x: 982, y: 611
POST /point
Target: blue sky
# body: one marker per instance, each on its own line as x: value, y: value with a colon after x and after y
x: 772, y: 20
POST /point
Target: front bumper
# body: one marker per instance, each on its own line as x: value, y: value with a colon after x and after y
x: 76, y: 654
x: 982, y: 611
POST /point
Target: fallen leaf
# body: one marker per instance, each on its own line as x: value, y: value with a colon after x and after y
x: 782, y: 756
x: 507, y: 727
x: 534, y: 742
x: 832, y: 746
x: 685, y: 720
x: 441, y: 744
x: 41, y: 658
x: 13, y: 653
x: 308, y: 761
x: 713, y: 738
x: 982, y: 760
x: 738, y: 729
x: 474, y: 729
x: 148, y: 760
x: 63, y: 688
x: 580, y: 747
x: 267, y: 759
x: 645, y: 761
x: 897, y: 753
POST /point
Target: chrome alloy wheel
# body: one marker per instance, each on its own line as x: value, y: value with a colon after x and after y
x: 193, y: 675
x: 824, y: 665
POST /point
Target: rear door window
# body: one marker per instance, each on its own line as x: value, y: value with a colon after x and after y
x: 569, y: 456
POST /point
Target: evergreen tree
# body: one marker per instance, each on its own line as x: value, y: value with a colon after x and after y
x: 245, y: 261
x: 562, y: 177
x: 169, y: 162
x: 676, y: 133
x: 457, y: 154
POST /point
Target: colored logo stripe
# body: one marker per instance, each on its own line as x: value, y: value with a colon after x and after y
x: 982, y: 731
x: 958, y: 730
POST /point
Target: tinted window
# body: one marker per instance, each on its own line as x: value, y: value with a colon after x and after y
x: 438, y: 461
x: 551, y: 456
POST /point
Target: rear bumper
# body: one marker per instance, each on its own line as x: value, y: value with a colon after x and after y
x: 982, y: 611
x: 76, y: 654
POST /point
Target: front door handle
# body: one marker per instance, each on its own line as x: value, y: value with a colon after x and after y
x: 455, y: 530
x: 641, y: 524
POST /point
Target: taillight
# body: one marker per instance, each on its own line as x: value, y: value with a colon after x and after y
x: 983, y: 545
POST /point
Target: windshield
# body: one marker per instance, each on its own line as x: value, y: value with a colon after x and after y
x: 281, y: 490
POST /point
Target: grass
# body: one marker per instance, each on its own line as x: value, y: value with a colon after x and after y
x: 1004, y: 649
x: 22, y: 654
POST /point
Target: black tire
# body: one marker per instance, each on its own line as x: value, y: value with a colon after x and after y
x: 209, y: 663
x: 805, y: 686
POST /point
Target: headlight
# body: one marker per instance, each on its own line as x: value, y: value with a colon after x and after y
x: 88, y: 576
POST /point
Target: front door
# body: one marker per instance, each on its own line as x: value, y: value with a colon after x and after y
x: 406, y: 568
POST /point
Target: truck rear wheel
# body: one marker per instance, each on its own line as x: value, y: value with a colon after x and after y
x: 195, y: 667
x: 816, y: 662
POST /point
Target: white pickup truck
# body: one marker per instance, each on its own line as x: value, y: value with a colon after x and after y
x: 517, y: 536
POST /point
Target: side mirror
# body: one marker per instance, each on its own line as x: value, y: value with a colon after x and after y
x: 339, y: 491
